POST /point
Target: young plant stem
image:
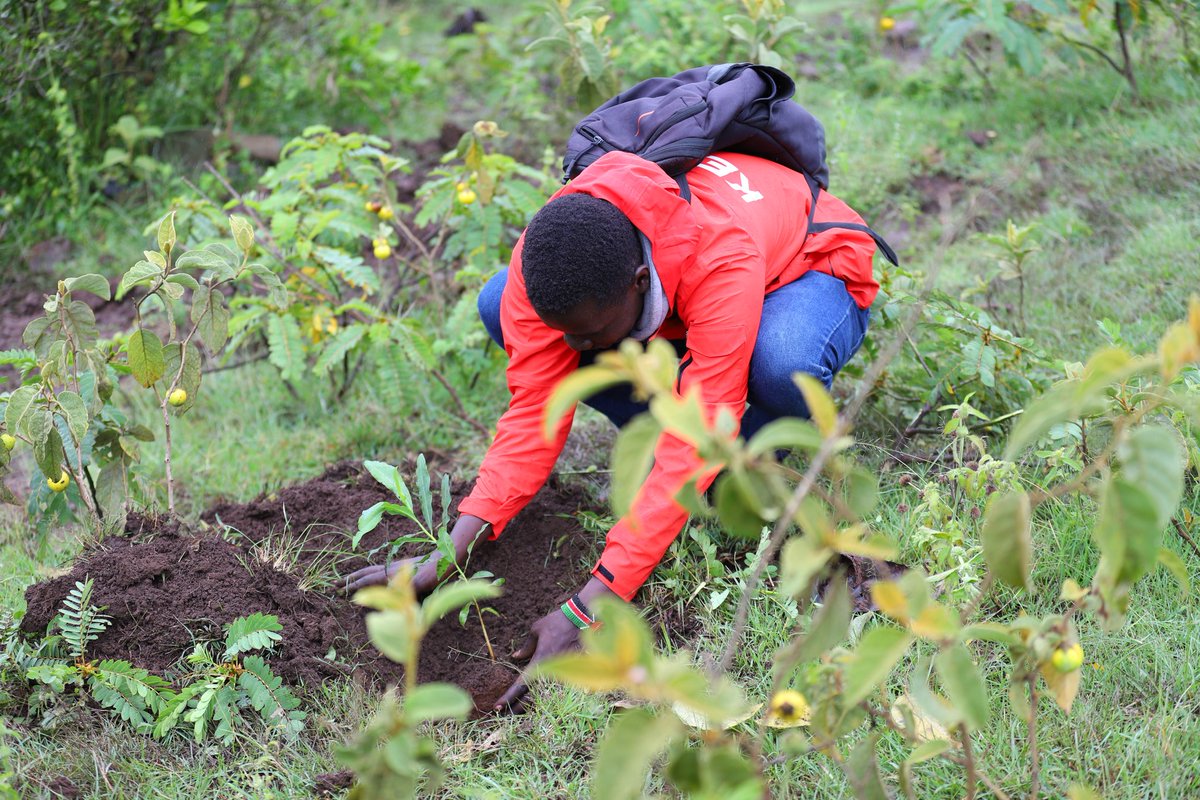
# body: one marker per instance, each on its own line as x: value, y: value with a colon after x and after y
x: 969, y: 760
x: 1182, y: 531
x: 1034, y: 755
x: 487, y: 640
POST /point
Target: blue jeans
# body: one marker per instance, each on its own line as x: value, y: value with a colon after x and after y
x: 810, y: 325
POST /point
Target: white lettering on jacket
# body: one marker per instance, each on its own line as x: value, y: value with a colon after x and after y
x: 720, y: 167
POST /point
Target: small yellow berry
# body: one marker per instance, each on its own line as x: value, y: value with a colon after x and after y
x: 886, y: 23
x: 461, y: 186
x: 373, y: 206
x: 177, y: 397
x: 382, y: 251
x: 1067, y: 659
x: 386, y: 213
x: 8, y: 440
x: 60, y: 484
x: 466, y: 197
x: 244, y: 81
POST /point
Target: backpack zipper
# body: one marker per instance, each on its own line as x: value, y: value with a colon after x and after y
x: 679, y: 116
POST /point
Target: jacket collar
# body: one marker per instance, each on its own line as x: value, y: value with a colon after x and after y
x: 651, y: 200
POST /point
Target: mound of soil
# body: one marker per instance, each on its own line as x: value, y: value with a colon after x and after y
x: 167, y: 587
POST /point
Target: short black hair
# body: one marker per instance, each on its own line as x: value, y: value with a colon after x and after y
x: 578, y: 248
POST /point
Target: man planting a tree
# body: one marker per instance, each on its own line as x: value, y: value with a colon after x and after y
x: 747, y: 266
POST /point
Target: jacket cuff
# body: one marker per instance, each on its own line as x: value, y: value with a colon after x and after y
x: 485, y: 511
x: 624, y: 584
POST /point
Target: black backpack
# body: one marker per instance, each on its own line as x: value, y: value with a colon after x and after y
x: 676, y: 122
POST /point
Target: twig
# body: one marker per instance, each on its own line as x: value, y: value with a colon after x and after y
x: 236, y: 364
x: 461, y: 413
x: 969, y: 759
x: 1182, y: 531
x: 1034, y: 756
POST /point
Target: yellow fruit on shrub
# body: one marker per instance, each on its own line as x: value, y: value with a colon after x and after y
x: 373, y: 206
x: 788, y: 706
x: 382, y: 251
x: 8, y: 440
x: 886, y: 23
x: 466, y: 197
x: 1067, y: 659
x: 177, y: 397
x: 60, y: 484
x: 386, y: 213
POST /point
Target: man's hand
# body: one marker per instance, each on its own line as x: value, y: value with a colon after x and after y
x: 467, y: 530
x: 549, y: 636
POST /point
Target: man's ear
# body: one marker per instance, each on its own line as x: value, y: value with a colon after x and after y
x: 641, y: 279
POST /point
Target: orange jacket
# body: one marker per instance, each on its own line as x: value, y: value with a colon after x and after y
x: 742, y: 236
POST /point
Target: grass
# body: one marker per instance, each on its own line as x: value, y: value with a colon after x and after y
x: 1114, y: 190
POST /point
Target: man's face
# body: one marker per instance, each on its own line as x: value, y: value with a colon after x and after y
x: 590, y: 326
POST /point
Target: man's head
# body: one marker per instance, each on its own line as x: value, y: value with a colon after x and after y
x: 583, y: 270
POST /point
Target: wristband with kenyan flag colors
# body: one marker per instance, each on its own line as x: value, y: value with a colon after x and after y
x: 578, y: 613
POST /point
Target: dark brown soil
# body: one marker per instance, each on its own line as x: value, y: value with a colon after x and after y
x: 167, y: 588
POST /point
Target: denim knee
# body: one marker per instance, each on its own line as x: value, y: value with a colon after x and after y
x: 489, y: 305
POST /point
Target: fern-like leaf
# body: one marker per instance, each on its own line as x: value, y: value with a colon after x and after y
x: 21, y: 359
x: 255, y: 632
x: 269, y: 697
x: 135, y: 694
x: 200, y: 715
x: 173, y: 709
x: 286, y: 349
x: 224, y: 711
x: 337, y: 347
x: 79, y: 620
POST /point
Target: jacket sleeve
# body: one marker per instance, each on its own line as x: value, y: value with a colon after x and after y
x: 722, y: 325
x: 520, y: 458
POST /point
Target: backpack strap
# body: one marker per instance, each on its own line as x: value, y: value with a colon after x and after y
x: 684, y: 190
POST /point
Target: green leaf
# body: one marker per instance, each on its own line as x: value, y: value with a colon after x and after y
x: 436, y: 701
x: 91, y: 283
x: 392, y: 633
x: 630, y: 745
x: 217, y: 258
x: 633, y: 456
x: 47, y: 444
x: 964, y: 685
x: 452, y: 596
x: 183, y: 279
x: 80, y: 322
x: 736, y: 513
x: 876, y: 654
x: 593, y: 672
x: 862, y: 770
x: 1006, y: 538
x: 145, y: 353
x: 576, y: 387
x: 786, y: 433
x: 21, y: 404
x: 820, y: 404
x: 211, y: 317
x: 286, y: 348
x: 801, y: 558
x: 188, y: 376
x: 166, y: 233
x: 1174, y: 564
x: 829, y: 624
x: 76, y: 413
x: 254, y: 632
x: 337, y: 347
x: 243, y: 233
x: 391, y: 479
x: 139, y: 273
x: 1152, y: 459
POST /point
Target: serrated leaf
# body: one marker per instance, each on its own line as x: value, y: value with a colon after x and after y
x: 337, y: 346
x: 145, y: 353
x: 285, y: 346
x: 1007, y: 541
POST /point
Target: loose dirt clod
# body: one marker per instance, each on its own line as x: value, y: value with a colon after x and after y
x: 167, y: 587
